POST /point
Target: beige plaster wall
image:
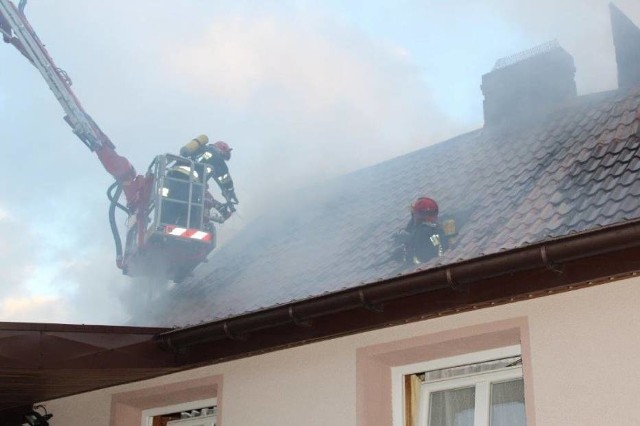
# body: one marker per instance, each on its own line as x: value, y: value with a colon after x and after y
x: 584, y: 369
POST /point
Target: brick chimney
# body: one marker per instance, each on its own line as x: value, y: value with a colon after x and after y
x: 626, y: 39
x: 522, y: 86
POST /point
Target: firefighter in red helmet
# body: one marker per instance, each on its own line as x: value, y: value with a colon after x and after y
x: 214, y: 157
x: 423, y: 238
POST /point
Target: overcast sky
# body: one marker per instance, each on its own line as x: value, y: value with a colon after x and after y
x: 302, y: 90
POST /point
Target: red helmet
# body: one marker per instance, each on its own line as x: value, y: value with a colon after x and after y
x: 223, y: 149
x: 425, y: 209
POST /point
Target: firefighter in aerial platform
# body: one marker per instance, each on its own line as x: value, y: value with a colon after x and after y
x: 423, y: 238
x: 214, y: 157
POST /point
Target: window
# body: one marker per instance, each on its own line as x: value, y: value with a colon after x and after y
x: 140, y: 406
x: 195, y: 413
x: 203, y: 417
x: 200, y: 421
x: 480, y: 389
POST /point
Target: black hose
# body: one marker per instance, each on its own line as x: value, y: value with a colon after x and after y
x: 114, y: 198
x: 112, y: 219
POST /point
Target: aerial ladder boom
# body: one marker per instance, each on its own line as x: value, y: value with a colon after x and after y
x: 17, y: 31
x: 168, y: 222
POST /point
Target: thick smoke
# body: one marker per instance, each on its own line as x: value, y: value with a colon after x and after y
x: 302, y: 95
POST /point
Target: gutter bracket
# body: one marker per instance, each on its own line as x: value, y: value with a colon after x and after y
x: 379, y: 307
x: 460, y: 288
x: 297, y: 321
x: 230, y: 335
x: 547, y: 263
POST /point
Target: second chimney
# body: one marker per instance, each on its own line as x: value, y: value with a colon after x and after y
x: 522, y: 86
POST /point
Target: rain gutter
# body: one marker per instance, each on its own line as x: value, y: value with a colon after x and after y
x: 549, y: 255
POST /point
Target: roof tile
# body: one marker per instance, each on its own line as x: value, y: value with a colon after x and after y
x: 576, y: 171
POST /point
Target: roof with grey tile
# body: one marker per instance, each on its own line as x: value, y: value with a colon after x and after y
x: 576, y: 169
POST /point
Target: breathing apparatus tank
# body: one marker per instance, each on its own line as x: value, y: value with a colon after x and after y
x: 194, y: 145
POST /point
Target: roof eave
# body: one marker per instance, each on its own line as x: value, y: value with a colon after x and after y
x: 42, y: 361
x: 539, y: 269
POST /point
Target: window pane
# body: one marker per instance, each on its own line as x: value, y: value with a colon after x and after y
x: 452, y: 407
x: 507, y: 403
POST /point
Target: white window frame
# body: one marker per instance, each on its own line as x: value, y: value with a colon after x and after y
x: 148, y: 415
x: 398, y: 374
x: 195, y: 421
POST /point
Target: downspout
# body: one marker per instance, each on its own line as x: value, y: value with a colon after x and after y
x: 550, y: 254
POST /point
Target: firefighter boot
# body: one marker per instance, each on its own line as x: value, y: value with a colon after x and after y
x: 224, y: 211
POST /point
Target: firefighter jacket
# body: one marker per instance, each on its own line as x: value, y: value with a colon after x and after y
x: 424, y: 241
x: 218, y: 170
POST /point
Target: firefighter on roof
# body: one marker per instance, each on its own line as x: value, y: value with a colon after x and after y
x: 423, y: 238
x: 214, y: 156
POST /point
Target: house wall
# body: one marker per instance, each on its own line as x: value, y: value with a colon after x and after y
x: 581, y: 351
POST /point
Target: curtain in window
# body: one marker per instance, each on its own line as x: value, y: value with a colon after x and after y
x: 507, y: 403
x: 452, y: 407
x: 412, y: 402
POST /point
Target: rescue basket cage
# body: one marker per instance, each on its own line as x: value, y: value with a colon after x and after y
x: 179, y: 193
x: 175, y: 229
